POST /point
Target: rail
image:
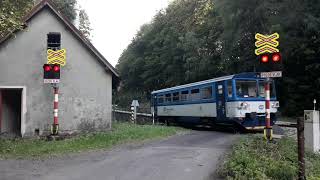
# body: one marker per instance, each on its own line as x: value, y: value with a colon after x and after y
x: 129, y: 112
x: 286, y: 124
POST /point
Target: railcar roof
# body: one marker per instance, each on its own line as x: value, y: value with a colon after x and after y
x: 223, y: 78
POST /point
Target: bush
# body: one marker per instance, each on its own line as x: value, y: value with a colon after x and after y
x: 255, y: 158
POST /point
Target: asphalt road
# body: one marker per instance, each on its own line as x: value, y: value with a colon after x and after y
x: 192, y: 156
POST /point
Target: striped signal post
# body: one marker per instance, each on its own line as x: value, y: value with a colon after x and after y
x: 55, y: 126
x: 268, y: 128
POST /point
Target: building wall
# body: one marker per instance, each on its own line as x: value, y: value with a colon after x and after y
x: 85, y: 88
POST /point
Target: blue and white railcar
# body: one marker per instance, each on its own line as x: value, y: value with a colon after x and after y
x: 235, y: 99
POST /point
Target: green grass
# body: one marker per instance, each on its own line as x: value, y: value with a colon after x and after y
x: 254, y: 158
x: 121, y: 133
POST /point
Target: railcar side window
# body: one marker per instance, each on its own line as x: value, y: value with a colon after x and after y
x: 195, y: 94
x: 168, y: 98
x: 184, y: 95
x: 262, y: 90
x: 229, y: 88
x: 175, y: 97
x: 160, y: 99
x: 246, y: 88
x: 206, y: 93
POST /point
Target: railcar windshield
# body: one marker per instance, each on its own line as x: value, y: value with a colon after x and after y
x: 252, y: 89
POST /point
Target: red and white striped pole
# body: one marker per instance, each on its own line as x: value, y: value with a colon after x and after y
x: 55, y: 127
x: 268, y: 129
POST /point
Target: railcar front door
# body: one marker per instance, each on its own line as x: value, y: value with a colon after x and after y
x: 220, y: 101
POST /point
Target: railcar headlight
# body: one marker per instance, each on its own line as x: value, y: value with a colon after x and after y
x: 243, y: 105
x: 275, y: 104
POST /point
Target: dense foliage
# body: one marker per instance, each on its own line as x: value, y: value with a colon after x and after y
x: 193, y: 40
x: 255, y: 158
x: 11, y: 13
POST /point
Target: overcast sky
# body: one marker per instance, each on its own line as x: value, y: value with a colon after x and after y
x: 115, y: 22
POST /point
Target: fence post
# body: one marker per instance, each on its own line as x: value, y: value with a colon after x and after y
x: 152, y: 118
x: 132, y: 115
x: 301, y: 162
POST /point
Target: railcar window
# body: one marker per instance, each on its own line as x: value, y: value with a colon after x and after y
x: 229, y: 88
x: 195, y: 94
x: 168, y: 98
x: 175, y: 97
x: 262, y: 91
x: 246, y: 88
x: 206, y: 93
x: 160, y: 99
x: 184, y: 95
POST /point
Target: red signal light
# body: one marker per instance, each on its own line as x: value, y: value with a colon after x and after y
x: 56, y: 68
x: 47, y: 68
x: 264, y: 58
x: 276, y: 57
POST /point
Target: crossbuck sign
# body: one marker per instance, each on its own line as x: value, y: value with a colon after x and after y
x: 56, y: 57
x: 266, y: 43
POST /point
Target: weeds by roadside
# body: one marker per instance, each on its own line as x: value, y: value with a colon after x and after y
x: 254, y: 158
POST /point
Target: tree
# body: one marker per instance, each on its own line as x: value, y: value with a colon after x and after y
x: 195, y: 40
x: 84, y: 23
x: 68, y: 8
x: 11, y: 13
x: 180, y: 45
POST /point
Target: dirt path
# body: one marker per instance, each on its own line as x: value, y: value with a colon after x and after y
x: 187, y: 157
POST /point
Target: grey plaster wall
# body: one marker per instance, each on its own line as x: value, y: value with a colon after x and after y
x: 85, y: 89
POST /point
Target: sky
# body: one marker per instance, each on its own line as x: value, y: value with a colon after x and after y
x: 115, y: 22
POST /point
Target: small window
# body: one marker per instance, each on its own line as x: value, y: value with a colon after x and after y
x: 206, y: 93
x: 160, y: 99
x: 230, y: 89
x: 184, y: 95
x: 195, y: 94
x: 175, y: 97
x: 54, y: 41
x: 168, y: 98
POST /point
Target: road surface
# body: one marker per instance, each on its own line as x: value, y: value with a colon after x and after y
x: 191, y: 156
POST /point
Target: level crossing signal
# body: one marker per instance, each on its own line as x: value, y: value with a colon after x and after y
x: 51, y: 72
x: 270, y: 61
x: 270, y: 58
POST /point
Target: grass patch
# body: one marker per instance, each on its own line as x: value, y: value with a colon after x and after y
x: 121, y: 133
x: 254, y: 158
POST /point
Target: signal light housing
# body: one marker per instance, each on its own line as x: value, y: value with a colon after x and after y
x: 51, y: 71
x: 270, y: 62
x: 56, y: 68
x: 276, y: 57
x: 264, y: 58
x: 47, y: 68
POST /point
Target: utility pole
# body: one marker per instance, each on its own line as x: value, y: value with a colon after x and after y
x: 134, y: 106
